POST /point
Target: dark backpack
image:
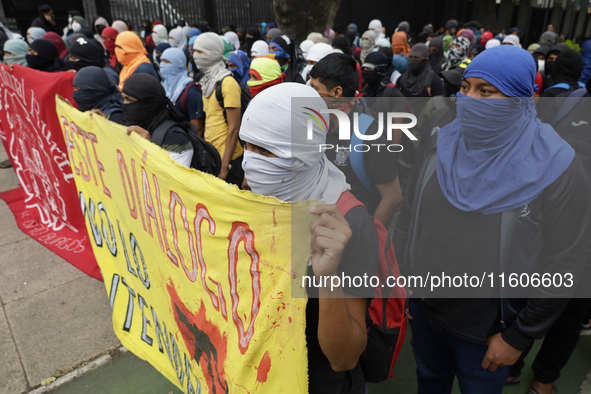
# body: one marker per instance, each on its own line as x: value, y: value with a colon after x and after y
x: 185, y: 96
x: 386, y: 316
x: 245, y: 96
x: 206, y: 157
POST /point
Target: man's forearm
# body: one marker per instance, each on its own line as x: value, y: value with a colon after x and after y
x: 231, y: 141
x: 341, y: 337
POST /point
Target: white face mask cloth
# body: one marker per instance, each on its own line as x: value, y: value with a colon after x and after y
x: 76, y: 26
x: 541, y: 64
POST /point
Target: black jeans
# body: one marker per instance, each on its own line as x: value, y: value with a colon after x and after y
x: 559, y: 343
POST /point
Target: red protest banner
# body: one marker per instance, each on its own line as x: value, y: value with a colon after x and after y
x: 46, y: 205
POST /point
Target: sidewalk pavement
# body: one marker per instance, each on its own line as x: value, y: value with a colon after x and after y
x: 55, y: 320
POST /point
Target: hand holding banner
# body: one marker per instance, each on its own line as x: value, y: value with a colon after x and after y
x: 198, y: 272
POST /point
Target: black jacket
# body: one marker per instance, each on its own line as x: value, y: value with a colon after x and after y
x: 564, y: 212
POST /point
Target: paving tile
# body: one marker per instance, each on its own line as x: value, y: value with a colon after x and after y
x: 12, y: 376
x: 28, y: 268
x: 10, y: 231
x: 61, y: 327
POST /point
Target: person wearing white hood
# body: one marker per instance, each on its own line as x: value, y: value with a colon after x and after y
x: 259, y: 48
x: 280, y: 161
x: 512, y: 39
x: 305, y: 47
x: 376, y: 26
x: 221, y: 123
x: 315, y: 54
x: 177, y: 38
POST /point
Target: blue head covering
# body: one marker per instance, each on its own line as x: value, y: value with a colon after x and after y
x: 19, y: 49
x: 497, y: 155
x: 586, y: 53
x: 37, y: 33
x: 263, y: 28
x: 239, y: 71
x: 245, y: 66
x: 161, y: 48
x: 353, y: 28
x: 174, y: 75
x: 97, y: 91
x: 192, y: 41
x: 194, y: 32
x: 400, y: 62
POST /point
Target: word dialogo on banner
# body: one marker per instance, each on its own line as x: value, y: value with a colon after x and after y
x: 197, y: 271
x: 46, y: 204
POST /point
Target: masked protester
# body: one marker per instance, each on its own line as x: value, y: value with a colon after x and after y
x: 274, y: 168
x: 43, y: 56
x: 496, y: 157
x: 180, y: 88
x: 160, y: 34
x: 272, y: 34
x: 291, y: 60
x: 35, y: 33
x: 415, y: 82
x: 252, y: 35
x: 259, y: 48
x: 566, y: 71
x: 15, y: 52
x: 221, y: 129
x: 264, y: 72
x: 120, y: 26
x: 316, y: 53
x: 342, y: 43
x: 234, y: 40
x: 389, y: 73
x: 99, y: 25
x: 132, y: 55
x: 305, y: 47
x: 368, y: 41
x: 158, y: 51
x: 437, y: 59
x: 487, y: 35
x: 177, y: 39
x: 88, y: 52
x: 458, y: 51
x: 109, y: 36
x: 145, y: 107
x: 93, y: 89
x: 58, y: 42
x: 239, y: 67
x: 400, y: 43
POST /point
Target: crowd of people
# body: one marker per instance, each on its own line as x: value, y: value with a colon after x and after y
x: 221, y: 103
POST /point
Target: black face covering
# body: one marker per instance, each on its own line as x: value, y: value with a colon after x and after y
x: 47, y: 57
x: 99, y: 29
x: 152, y: 106
x: 450, y: 90
x: 371, y: 77
x: 416, y: 67
x: 88, y: 51
x: 548, y: 67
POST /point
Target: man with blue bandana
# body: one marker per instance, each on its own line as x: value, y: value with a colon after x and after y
x: 496, y: 158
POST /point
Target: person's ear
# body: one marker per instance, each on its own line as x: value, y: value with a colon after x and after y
x: 337, y: 91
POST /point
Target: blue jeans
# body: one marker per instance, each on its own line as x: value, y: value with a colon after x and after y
x: 441, y: 355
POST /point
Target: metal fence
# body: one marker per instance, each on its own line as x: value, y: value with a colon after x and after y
x: 218, y: 13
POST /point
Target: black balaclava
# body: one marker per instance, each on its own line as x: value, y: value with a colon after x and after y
x: 342, y: 43
x: 256, y: 35
x: 47, y: 58
x: 550, y: 64
x: 96, y: 91
x: 374, y: 78
x: 567, y: 68
x: 152, y: 106
x: 90, y: 52
x: 413, y: 83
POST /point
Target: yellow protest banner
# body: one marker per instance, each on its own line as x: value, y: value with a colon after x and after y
x: 197, y: 271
